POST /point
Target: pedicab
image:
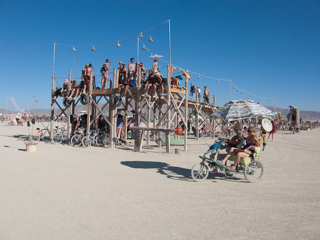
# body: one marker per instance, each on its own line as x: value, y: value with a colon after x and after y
x: 251, y: 167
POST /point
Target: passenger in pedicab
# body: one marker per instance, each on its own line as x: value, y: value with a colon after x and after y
x: 237, y: 140
x: 251, y: 141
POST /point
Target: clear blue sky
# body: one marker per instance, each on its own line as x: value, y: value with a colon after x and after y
x: 269, y: 48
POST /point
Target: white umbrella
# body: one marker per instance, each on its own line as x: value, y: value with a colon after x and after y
x: 155, y: 56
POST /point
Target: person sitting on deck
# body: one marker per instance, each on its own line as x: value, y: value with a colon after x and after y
x: 65, y: 85
x: 132, y: 81
x: 84, y: 83
x: 151, y: 81
x: 74, y: 89
x: 105, y: 74
x: 175, y: 81
x: 123, y: 84
x: 252, y: 141
x: 122, y: 71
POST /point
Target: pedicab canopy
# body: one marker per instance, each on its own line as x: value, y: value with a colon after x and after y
x: 240, y: 109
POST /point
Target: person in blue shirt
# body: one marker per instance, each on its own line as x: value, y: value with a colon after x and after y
x: 193, y: 92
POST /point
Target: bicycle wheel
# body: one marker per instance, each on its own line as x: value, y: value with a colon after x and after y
x: 199, y: 172
x: 253, y: 171
x: 39, y: 136
x: 57, y: 138
x: 86, y: 141
x: 76, y: 140
x: 102, y: 141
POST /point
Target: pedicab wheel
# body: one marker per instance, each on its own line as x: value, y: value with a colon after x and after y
x: 76, y: 140
x: 86, y: 141
x: 253, y: 171
x: 199, y: 172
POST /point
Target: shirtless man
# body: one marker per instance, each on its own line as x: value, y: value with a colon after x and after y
x: 132, y: 67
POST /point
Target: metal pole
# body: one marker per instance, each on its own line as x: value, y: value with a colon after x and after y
x: 137, y: 49
x: 230, y: 92
x: 169, y: 44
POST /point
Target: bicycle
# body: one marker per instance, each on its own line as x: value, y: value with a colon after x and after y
x: 103, y: 139
x: 45, y: 132
x: 90, y: 139
x: 251, y: 167
x: 76, y: 140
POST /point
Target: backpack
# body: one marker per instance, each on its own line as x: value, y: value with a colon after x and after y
x: 102, y: 69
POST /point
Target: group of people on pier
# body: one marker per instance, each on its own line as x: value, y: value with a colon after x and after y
x: 153, y: 82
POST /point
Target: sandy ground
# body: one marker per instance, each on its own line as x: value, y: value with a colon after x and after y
x: 62, y: 192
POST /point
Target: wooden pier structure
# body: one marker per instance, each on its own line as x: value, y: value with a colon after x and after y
x: 167, y: 111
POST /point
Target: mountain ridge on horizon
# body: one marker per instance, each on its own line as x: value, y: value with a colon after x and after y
x: 306, y: 115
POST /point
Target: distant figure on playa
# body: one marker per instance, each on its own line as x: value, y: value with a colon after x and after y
x: 273, y: 131
x: 193, y: 92
x: 105, y: 74
x: 263, y: 135
x: 206, y: 95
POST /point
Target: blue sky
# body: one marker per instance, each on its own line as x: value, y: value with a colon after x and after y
x: 267, y: 48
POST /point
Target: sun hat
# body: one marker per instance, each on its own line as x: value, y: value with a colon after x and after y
x: 252, y: 130
x: 156, y: 59
x: 237, y: 126
x: 120, y: 62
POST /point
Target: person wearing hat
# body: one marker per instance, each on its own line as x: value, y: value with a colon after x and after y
x: 65, y: 85
x: 237, y: 140
x: 122, y: 71
x: 206, y: 93
x: 245, y: 151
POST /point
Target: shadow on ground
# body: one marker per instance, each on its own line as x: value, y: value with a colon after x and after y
x: 172, y: 172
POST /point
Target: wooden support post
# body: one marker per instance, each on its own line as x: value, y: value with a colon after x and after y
x: 68, y: 113
x: 126, y: 120
x: 137, y: 114
x: 159, y: 119
x: 89, y: 104
x: 186, y: 114
x: 197, y: 122
x: 52, y: 108
x: 168, y: 106
x: 154, y: 118
x: 214, y: 100
x: 148, y: 121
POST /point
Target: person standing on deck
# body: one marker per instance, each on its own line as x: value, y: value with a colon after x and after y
x: 105, y: 75
x: 132, y: 67
x: 206, y: 93
x: 198, y: 93
x: 193, y: 92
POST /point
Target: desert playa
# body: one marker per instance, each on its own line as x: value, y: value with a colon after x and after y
x: 62, y: 192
